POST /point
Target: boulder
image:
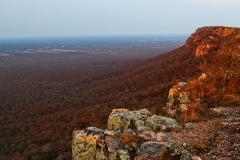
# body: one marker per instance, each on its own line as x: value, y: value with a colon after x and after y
x: 122, y: 119
x: 89, y: 144
x: 151, y: 150
x: 160, y: 123
x: 166, y: 138
x: 147, y: 135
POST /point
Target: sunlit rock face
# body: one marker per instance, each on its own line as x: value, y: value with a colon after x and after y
x: 208, y: 39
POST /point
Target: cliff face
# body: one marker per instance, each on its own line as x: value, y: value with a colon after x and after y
x: 210, y: 39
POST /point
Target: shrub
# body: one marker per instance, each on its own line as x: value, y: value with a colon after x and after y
x: 224, y: 67
x: 192, y: 113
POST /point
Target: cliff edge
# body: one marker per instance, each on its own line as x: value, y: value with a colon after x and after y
x: 211, y: 39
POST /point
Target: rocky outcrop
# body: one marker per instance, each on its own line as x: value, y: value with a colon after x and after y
x: 209, y: 39
x: 184, y: 99
x: 122, y: 119
x: 130, y: 135
x: 178, y: 99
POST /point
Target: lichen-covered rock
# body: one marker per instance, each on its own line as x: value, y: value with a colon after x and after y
x: 112, y: 145
x: 111, y: 133
x: 178, y: 149
x: 147, y: 135
x: 151, y: 150
x: 177, y: 99
x: 122, y: 119
x: 128, y: 138
x: 166, y: 138
x: 117, y: 121
x: 123, y: 155
x: 125, y: 141
x: 89, y: 144
x: 195, y: 158
x: 185, y: 101
x: 188, y: 125
x: 160, y: 123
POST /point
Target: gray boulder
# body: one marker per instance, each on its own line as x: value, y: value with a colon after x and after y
x: 160, y: 123
x: 151, y: 150
x: 122, y: 119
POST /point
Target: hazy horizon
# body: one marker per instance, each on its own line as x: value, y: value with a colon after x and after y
x: 61, y: 18
x: 96, y: 36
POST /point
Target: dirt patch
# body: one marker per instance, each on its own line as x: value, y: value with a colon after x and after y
x: 221, y: 135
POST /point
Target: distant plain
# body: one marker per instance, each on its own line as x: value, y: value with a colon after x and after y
x: 51, y: 86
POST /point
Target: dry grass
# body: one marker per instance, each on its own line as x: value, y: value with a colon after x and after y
x: 233, y: 102
x: 201, y: 89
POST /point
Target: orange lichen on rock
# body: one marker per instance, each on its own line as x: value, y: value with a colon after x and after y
x: 127, y: 138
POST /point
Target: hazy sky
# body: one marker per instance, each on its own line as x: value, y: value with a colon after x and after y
x: 31, y: 18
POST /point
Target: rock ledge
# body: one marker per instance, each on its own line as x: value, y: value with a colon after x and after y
x: 130, y: 135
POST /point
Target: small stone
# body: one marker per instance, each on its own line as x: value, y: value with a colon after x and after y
x: 151, y: 150
x: 110, y: 133
x: 123, y: 155
x: 220, y: 136
x: 129, y: 148
x: 147, y: 135
x: 195, y: 158
x: 188, y: 125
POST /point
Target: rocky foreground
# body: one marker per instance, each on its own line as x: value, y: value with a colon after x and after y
x: 142, y: 136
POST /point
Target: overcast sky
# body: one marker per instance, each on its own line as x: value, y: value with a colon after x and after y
x: 34, y: 18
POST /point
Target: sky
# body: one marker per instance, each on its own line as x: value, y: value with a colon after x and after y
x: 53, y: 18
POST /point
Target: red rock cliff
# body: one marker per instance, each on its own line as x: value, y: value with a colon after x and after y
x: 212, y: 39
